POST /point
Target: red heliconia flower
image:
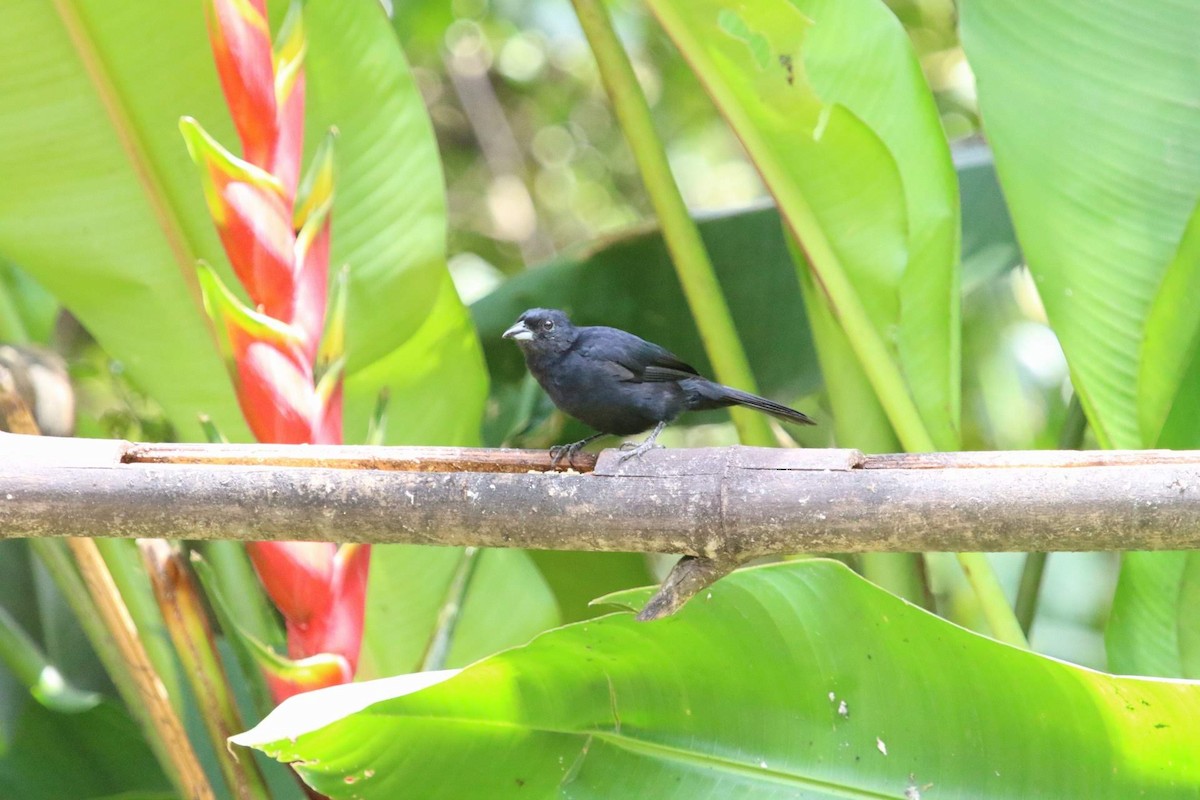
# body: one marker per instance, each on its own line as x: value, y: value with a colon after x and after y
x: 272, y: 380
x: 241, y: 42
x: 320, y: 589
x: 312, y: 220
x: 289, y: 103
x: 272, y: 376
x: 286, y: 677
x: 284, y: 349
x: 253, y: 221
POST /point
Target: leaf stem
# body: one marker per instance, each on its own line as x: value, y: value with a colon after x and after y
x: 56, y: 558
x: 234, y: 577
x: 236, y: 635
x: 188, y: 624
x: 451, y: 611
x: 125, y: 572
x: 181, y: 765
x: 901, y: 410
x: 29, y: 664
x: 695, y: 270
x: 992, y: 602
x: 1030, y: 589
x: 1070, y: 438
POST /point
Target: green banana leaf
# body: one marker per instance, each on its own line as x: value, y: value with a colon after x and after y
x: 27, y: 311
x: 102, y: 205
x: 1154, y: 628
x: 1093, y: 113
x: 1169, y: 368
x: 829, y: 101
x: 1100, y: 160
x: 96, y: 754
x: 793, y: 680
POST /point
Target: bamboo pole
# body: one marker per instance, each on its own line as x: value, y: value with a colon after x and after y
x: 723, y: 505
x: 741, y: 501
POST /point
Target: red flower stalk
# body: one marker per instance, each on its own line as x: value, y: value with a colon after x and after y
x: 283, y: 349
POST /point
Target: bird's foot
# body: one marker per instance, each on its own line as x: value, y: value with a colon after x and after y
x: 560, y: 451
x: 569, y: 451
x: 635, y: 450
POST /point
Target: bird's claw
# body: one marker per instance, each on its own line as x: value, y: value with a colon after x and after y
x: 569, y: 450
x: 559, y: 450
x: 650, y: 443
x: 633, y: 450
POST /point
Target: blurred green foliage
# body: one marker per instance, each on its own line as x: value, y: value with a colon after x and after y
x: 545, y: 206
x: 539, y: 176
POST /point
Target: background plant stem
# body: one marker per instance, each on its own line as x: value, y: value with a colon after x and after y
x: 992, y: 602
x: 56, y: 558
x: 182, y: 766
x: 451, y: 611
x: 692, y: 264
x: 187, y: 622
x: 21, y: 654
x: 1029, y: 590
x: 129, y: 577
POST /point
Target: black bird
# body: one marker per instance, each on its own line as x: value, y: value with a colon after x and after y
x: 619, y: 383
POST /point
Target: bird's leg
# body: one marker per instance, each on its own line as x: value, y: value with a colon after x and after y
x: 636, y: 450
x: 570, y: 450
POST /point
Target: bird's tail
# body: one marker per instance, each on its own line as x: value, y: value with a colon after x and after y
x: 704, y: 394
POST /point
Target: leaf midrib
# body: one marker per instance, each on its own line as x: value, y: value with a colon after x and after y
x: 135, y: 150
x: 665, y: 752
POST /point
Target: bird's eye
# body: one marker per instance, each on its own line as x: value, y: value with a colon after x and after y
x: 548, y: 325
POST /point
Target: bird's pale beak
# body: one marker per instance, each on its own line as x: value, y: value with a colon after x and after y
x: 518, y: 332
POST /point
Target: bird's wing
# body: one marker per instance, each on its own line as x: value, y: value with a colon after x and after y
x: 644, y: 361
x: 657, y: 374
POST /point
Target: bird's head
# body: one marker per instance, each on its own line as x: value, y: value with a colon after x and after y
x: 542, y: 329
